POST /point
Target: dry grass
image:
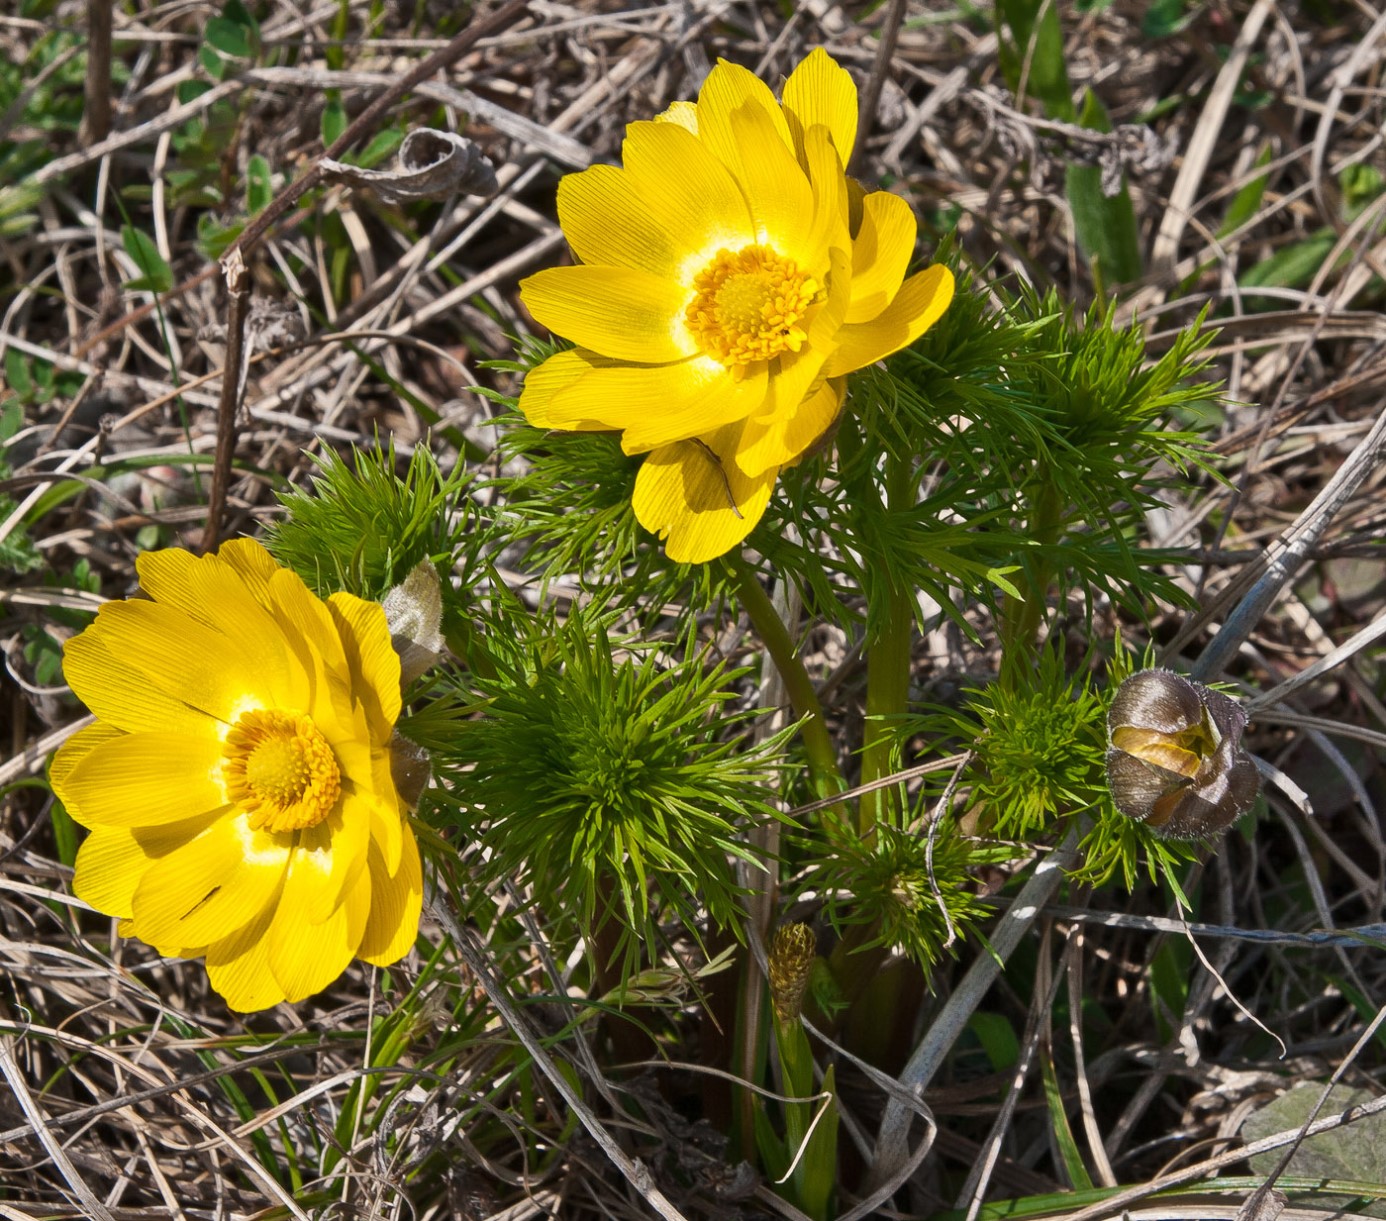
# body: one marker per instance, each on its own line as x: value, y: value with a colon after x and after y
x: 133, y: 1093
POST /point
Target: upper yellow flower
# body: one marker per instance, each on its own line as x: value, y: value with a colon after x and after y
x: 731, y: 275
x: 237, y: 780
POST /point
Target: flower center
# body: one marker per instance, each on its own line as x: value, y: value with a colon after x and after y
x: 749, y: 305
x: 281, y: 770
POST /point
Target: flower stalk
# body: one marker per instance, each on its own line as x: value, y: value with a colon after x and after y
x: 813, y: 728
x: 887, y: 672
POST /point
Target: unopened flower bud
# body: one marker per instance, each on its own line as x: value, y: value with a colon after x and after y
x: 410, y: 769
x: 1176, y: 761
x: 791, y: 962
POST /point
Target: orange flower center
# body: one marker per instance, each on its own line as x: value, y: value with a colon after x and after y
x: 749, y: 305
x: 281, y: 770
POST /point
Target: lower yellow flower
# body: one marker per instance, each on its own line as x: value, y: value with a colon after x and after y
x: 731, y: 276
x: 237, y: 782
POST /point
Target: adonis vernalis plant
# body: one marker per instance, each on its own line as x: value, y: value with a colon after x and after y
x: 731, y: 276
x: 237, y: 781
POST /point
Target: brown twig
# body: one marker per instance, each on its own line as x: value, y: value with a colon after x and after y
x: 233, y: 262
x: 96, y: 117
x: 871, y: 95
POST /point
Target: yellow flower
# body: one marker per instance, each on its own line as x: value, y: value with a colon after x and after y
x: 731, y: 275
x: 237, y: 779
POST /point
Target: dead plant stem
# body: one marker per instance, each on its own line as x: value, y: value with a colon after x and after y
x: 233, y: 262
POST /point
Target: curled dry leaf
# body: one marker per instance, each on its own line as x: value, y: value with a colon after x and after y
x: 414, y: 611
x: 432, y: 164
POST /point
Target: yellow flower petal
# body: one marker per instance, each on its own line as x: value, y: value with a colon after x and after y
x: 731, y: 90
x: 685, y: 114
x: 544, y: 382
x: 304, y: 957
x: 189, y: 661
x: 307, y: 627
x: 328, y: 858
x: 388, y: 832
x: 691, y: 195
x: 305, y: 623
x: 917, y: 306
x: 697, y: 500
x: 253, y: 563
x: 77, y: 747
x: 212, y: 886
x: 830, y: 196
x: 615, y: 311
x: 396, y: 903
x: 777, y: 190
x: 780, y: 439
x: 881, y: 254
x: 819, y: 91
x: 121, y: 694
x: 371, y: 657
x: 110, y: 864
x: 607, y: 222
x: 145, y: 780
x: 204, y: 588
x: 238, y: 967
x: 797, y: 378
x: 212, y: 592
x: 654, y: 404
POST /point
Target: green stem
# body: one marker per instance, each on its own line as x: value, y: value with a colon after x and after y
x: 774, y: 635
x: 887, y: 672
x: 1021, y: 620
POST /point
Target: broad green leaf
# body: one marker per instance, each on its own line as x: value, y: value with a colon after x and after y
x: 1105, y: 226
x: 1169, y: 984
x: 214, y: 239
x: 43, y: 379
x: 1294, y: 266
x: 1165, y: 18
x: 1247, y: 201
x: 816, y: 1174
x: 230, y: 38
x: 188, y: 90
x: 334, y: 120
x: 237, y: 13
x: 997, y: 1037
x: 259, y: 187
x: 65, y: 834
x: 211, y: 62
x: 1033, y: 56
x: 768, y: 1144
x: 15, y: 204
x: 11, y: 419
x: 17, y: 374
x: 1360, y: 185
x: 381, y: 146
x: 156, y: 275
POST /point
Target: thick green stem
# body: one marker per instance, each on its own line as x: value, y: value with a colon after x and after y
x: 1020, y: 620
x: 887, y: 672
x: 774, y: 635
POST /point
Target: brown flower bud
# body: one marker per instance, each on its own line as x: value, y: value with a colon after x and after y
x: 410, y: 768
x: 1176, y: 761
x: 791, y: 961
